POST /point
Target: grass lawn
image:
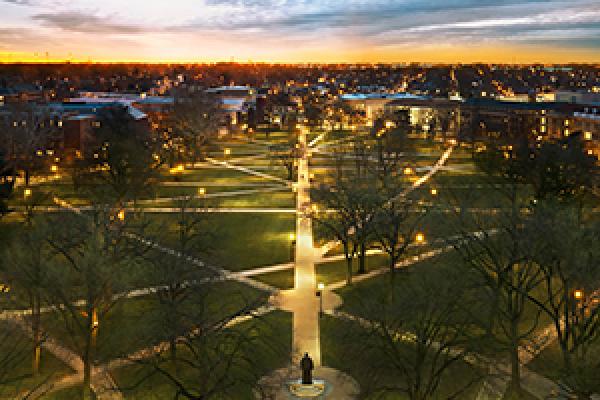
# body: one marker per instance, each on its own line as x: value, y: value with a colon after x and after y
x: 270, y: 351
x: 134, y: 324
x: 238, y: 241
x: 280, y: 279
x: 358, y: 299
x: 343, y: 341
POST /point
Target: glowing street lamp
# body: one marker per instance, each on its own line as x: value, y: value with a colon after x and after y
x: 54, y: 168
x: 408, y: 171
x: 578, y: 294
x: 420, y: 238
x: 227, y: 151
x: 201, y: 191
x: 320, y: 289
x: 121, y: 215
x: 434, y: 192
x: 27, y: 193
x: 178, y: 169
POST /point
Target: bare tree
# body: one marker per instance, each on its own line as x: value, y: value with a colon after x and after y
x: 349, y: 204
x: 494, y: 247
x: 7, y: 184
x: 29, y: 130
x: 87, y: 272
x: 25, y: 269
x: 567, y: 254
x: 177, y: 277
x: 286, y: 154
x: 410, y: 347
x: 188, y: 133
x: 120, y: 166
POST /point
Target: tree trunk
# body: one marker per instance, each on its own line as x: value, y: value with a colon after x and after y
x: 348, y: 265
x: 392, y: 278
x: 86, y: 388
x: 515, y: 365
x: 362, y: 258
x: 173, y: 348
x: 36, y: 333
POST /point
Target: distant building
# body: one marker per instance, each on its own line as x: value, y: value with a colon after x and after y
x: 577, y: 97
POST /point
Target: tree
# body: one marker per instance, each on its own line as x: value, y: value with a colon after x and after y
x: 395, y: 227
x: 25, y: 268
x: 286, y: 154
x: 121, y: 166
x: 179, y: 278
x: 6, y: 185
x: 189, y: 131
x: 562, y: 169
x: 494, y: 247
x: 15, y: 352
x: 409, y: 347
x: 87, y: 271
x: 337, y: 225
x: 349, y: 203
x: 566, y: 252
x: 29, y: 130
x: 220, y: 355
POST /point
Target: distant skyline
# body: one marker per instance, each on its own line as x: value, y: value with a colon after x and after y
x: 291, y: 31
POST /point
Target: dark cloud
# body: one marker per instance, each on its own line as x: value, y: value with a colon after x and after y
x: 74, y: 21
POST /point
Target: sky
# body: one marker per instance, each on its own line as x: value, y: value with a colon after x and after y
x: 290, y: 31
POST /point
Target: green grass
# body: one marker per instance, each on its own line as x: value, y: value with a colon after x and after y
x: 280, y: 279
x: 134, y: 324
x: 335, y: 271
x: 346, y: 347
x: 238, y: 241
x: 271, y: 350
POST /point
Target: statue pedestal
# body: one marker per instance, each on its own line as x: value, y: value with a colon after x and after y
x: 317, y: 390
x: 328, y: 383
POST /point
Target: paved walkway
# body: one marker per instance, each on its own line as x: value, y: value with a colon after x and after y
x: 102, y: 384
x: 249, y: 171
x: 302, y: 301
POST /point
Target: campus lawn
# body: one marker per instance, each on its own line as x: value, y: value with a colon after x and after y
x: 237, y: 241
x: 280, y: 279
x: 448, y: 266
x: 270, y: 351
x: 135, y: 324
x: 345, y: 348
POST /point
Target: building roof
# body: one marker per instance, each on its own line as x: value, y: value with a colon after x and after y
x: 375, y: 96
x: 228, y: 88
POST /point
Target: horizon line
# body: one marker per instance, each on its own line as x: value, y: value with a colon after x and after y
x: 283, y: 63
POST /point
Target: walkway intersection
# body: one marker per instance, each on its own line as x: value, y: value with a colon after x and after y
x: 302, y: 300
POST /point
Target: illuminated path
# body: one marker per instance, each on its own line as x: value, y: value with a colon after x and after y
x: 301, y: 300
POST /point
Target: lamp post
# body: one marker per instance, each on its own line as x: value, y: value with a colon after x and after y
x: 420, y: 238
x: 292, y: 238
x: 320, y: 289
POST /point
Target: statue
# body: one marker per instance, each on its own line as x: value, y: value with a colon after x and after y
x: 306, y: 364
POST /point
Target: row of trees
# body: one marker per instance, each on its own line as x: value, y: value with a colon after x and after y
x: 369, y: 192
x: 72, y: 271
x: 527, y: 259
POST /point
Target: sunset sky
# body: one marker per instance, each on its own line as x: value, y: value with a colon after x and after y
x: 519, y: 31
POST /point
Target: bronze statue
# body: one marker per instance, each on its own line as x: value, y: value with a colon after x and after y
x: 306, y: 364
